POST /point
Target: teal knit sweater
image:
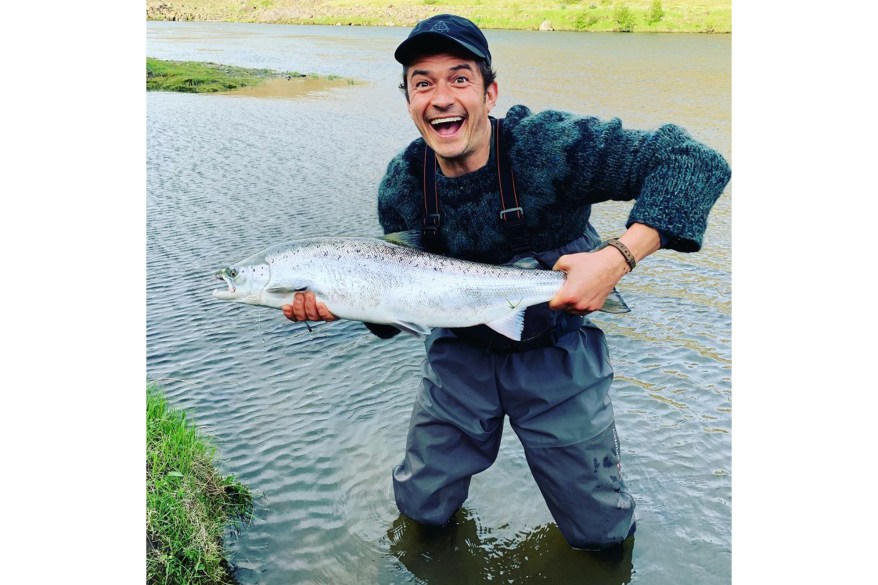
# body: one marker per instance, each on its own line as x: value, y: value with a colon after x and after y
x: 563, y: 164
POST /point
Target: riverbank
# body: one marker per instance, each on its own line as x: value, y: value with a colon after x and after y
x: 189, y: 505
x: 697, y: 16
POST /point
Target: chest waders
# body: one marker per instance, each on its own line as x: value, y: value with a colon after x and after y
x: 554, y: 386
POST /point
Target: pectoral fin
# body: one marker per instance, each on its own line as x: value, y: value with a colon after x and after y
x: 615, y: 303
x: 285, y: 290
x: 511, y: 325
x: 412, y: 328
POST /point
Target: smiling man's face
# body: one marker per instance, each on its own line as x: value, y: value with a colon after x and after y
x: 449, y: 104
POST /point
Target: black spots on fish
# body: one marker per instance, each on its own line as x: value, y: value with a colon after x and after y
x: 596, y: 464
x: 608, y: 462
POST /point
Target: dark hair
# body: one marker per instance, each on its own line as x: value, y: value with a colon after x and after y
x: 488, y: 76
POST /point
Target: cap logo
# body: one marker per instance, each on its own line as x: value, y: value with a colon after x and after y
x: 440, y: 27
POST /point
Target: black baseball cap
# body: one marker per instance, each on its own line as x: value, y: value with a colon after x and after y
x: 429, y: 34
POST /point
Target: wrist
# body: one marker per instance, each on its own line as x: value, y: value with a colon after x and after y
x: 641, y: 240
x: 623, y: 249
x: 616, y: 255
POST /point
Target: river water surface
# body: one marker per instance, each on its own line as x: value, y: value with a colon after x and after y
x: 314, y: 422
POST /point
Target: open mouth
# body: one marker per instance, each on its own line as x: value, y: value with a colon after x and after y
x: 223, y: 275
x: 447, y: 126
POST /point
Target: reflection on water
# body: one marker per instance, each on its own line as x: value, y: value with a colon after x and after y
x: 314, y: 422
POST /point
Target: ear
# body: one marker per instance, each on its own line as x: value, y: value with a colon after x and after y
x: 491, y: 96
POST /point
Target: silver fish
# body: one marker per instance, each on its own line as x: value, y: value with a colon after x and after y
x: 390, y: 280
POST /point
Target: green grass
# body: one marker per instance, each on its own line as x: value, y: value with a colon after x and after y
x: 189, y: 505
x: 703, y: 16
x: 195, y: 77
x: 198, y: 77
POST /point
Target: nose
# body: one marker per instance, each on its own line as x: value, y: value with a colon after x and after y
x: 441, y: 98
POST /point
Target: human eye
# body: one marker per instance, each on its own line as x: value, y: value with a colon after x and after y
x: 461, y: 80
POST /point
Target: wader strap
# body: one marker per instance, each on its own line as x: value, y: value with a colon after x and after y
x: 430, y: 230
x: 512, y: 220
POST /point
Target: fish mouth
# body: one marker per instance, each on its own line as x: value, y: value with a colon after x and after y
x: 224, y: 276
x: 447, y: 125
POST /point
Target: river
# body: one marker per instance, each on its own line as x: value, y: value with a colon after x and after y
x: 315, y: 421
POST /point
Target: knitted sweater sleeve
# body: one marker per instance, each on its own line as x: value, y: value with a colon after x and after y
x: 678, y: 181
x: 674, y: 179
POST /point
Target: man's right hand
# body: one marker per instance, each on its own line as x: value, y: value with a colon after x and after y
x: 306, y: 308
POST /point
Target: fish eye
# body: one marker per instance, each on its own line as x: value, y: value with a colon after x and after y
x: 233, y: 272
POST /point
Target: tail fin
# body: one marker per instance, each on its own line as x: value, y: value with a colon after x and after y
x: 615, y: 303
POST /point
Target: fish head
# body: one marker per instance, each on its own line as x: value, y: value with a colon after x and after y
x: 245, y: 283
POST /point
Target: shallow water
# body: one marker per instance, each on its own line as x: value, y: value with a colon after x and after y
x: 314, y: 422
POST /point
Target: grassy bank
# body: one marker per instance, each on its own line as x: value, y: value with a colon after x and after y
x: 189, y: 505
x: 701, y: 16
x: 191, y: 76
x: 197, y: 77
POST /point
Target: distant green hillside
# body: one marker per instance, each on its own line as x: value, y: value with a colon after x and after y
x: 701, y: 16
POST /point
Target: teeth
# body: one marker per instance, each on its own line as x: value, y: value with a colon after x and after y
x: 446, y: 120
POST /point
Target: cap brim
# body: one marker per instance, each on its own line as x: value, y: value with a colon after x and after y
x: 425, y: 43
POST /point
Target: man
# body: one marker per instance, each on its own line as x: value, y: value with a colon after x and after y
x: 494, y: 192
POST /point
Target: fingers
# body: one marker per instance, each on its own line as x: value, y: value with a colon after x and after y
x: 324, y: 313
x: 591, y: 276
x: 296, y: 311
x: 563, y: 264
x: 568, y: 300
x: 309, y: 305
x: 564, y: 298
x: 306, y: 308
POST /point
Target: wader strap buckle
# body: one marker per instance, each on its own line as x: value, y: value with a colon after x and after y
x: 431, y: 221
